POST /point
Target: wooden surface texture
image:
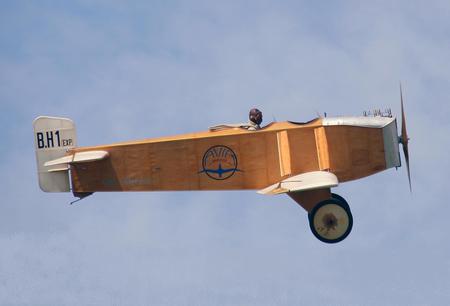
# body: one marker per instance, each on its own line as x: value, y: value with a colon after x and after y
x: 232, y: 159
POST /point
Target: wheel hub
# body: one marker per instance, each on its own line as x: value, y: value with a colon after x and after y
x: 330, y: 221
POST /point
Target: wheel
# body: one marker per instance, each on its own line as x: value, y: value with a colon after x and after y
x: 339, y: 198
x: 331, y: 221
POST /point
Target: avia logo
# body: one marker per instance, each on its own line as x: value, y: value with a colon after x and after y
x: 219, y: 162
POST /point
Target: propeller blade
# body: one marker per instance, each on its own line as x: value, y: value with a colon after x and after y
x: 406, y: 153
x: 404, y: 139
x: 404, y: 134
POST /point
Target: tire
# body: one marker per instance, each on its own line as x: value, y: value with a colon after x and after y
x: 331, y: 221
x: 341, y: 199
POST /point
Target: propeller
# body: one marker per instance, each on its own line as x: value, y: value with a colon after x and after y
x: 404, y: 139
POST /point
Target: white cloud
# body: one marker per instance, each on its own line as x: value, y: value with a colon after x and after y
x: 144, y: 70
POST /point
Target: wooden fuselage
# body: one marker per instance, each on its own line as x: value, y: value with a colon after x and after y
x: 233, y: 158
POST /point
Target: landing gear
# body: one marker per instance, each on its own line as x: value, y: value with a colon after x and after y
x: 340, y: 199
x: 331, y: 220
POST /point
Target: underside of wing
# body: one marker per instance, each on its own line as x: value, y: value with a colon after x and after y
x: 302, y: 182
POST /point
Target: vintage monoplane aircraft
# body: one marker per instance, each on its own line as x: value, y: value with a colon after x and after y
x: 302, y: 160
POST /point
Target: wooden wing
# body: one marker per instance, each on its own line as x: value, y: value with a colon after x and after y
x: 302, y: 182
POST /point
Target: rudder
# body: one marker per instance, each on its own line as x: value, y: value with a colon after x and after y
x: 53, y: 137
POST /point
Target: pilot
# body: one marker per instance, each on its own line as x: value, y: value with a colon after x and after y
x: 255, y: 118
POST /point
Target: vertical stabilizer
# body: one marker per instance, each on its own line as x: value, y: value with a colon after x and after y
x: 52, y: 138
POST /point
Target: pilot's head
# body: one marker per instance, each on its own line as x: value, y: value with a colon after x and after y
x: 255, y: 116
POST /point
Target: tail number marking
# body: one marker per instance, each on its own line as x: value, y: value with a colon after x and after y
x: 50, y: 139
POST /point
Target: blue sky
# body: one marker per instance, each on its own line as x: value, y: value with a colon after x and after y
x: 132, y: 70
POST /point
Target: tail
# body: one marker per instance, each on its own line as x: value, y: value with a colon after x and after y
x: 53, y: 137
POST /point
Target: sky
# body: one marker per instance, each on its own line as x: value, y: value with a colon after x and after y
x: 126, y: 70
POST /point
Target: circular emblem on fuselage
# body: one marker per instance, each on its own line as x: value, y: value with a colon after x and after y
x: 219, y: 162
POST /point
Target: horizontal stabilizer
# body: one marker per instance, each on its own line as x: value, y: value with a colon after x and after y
x: 303, y: 182
x: 58, y: 169
x: 78, y: 157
